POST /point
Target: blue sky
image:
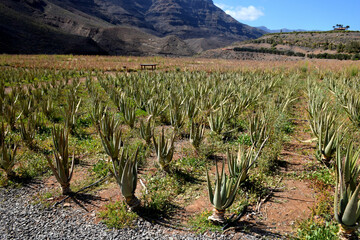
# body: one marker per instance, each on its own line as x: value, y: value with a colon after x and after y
x: 294, y: 14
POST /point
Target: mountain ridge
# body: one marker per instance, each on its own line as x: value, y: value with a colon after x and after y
x: 140, y: 27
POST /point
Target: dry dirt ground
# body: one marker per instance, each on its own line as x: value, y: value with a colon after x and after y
x: 292, y: 201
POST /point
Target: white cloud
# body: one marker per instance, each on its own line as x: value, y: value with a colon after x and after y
x: 241, y: 13
x: 222, y: 6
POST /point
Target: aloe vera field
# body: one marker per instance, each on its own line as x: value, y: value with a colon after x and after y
x: 220, y: 149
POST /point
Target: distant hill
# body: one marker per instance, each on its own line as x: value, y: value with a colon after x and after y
x: 117, y: 27
x: 265, y: 29
x: 342, y: 45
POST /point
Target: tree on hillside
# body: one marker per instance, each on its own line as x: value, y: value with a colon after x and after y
x: 341, y: 27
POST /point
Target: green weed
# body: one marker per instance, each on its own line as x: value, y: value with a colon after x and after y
x: 45, y: 199
x: 101, y: 168
x: 268, y: 162
x: 319, y: 173
x: 244, y: 139
x: 200, y: 223
x: 161, y: 191
x: 309, y: 230
x: 116, y: 215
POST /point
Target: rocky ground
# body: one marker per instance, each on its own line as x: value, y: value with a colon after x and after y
x: 22, y: 219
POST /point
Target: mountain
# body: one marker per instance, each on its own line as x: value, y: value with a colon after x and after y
x: 117, y: 27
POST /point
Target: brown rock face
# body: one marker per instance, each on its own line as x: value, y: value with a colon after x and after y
x: 141, y: 27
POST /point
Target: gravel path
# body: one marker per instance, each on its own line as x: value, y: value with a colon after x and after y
x: 19, y: 219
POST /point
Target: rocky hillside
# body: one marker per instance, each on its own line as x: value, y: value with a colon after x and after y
x: 117, y: 27
x: 311, y: 41
x: 343, y: 45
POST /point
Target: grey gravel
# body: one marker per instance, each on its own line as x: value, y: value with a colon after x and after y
x: 21, y: 219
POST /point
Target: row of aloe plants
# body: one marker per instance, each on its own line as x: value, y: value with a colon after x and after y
x: 175, y: 100
x: 333, y: 112
x: 189, y: 102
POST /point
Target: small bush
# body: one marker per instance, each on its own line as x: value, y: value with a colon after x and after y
x: 116, y: 215
x: 35, y: 165
x: 269, y: 160
x: 318, y: 231
x: 161, y: 191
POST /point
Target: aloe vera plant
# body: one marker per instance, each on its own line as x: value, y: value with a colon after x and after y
x: 71, y: 111
x: 130, y: 116
x: 124, y: 168
x: 321, y: 119
x: 47, y: 107
x: 7, y: 160
x: 3, y: 133
x: 245, y: 98
x: 97, y: 112
x: 28, y: 131
x: 323, y: 124
x: 213, y: 102
x: 346, y: 201
x: 353, y: 108
x: 2, y: 90
x: 216, y: 122
x: 119, y: 98
x: 177, y: 118
x: 127, y: 109
x: 63, y: 169
x: 8, y: 155
x: 177, y: 113
x: 1, y: 106
x: 155, y: 106
x: 164, y: 150
x: 147, y: 131
x: 319, y: 114
x: 223, y: 194
x: 191, y: 107
x: 257, y: 129
x: 27, y: 104
x: 284, y: 100
x: 92, y: 90
x: 10, y: 110
x: 245, y: 159
x: 125, y: 172
x: 229, y: 111
x: 329, y: 137
x: 196, y: 134
x: 110, y: 134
